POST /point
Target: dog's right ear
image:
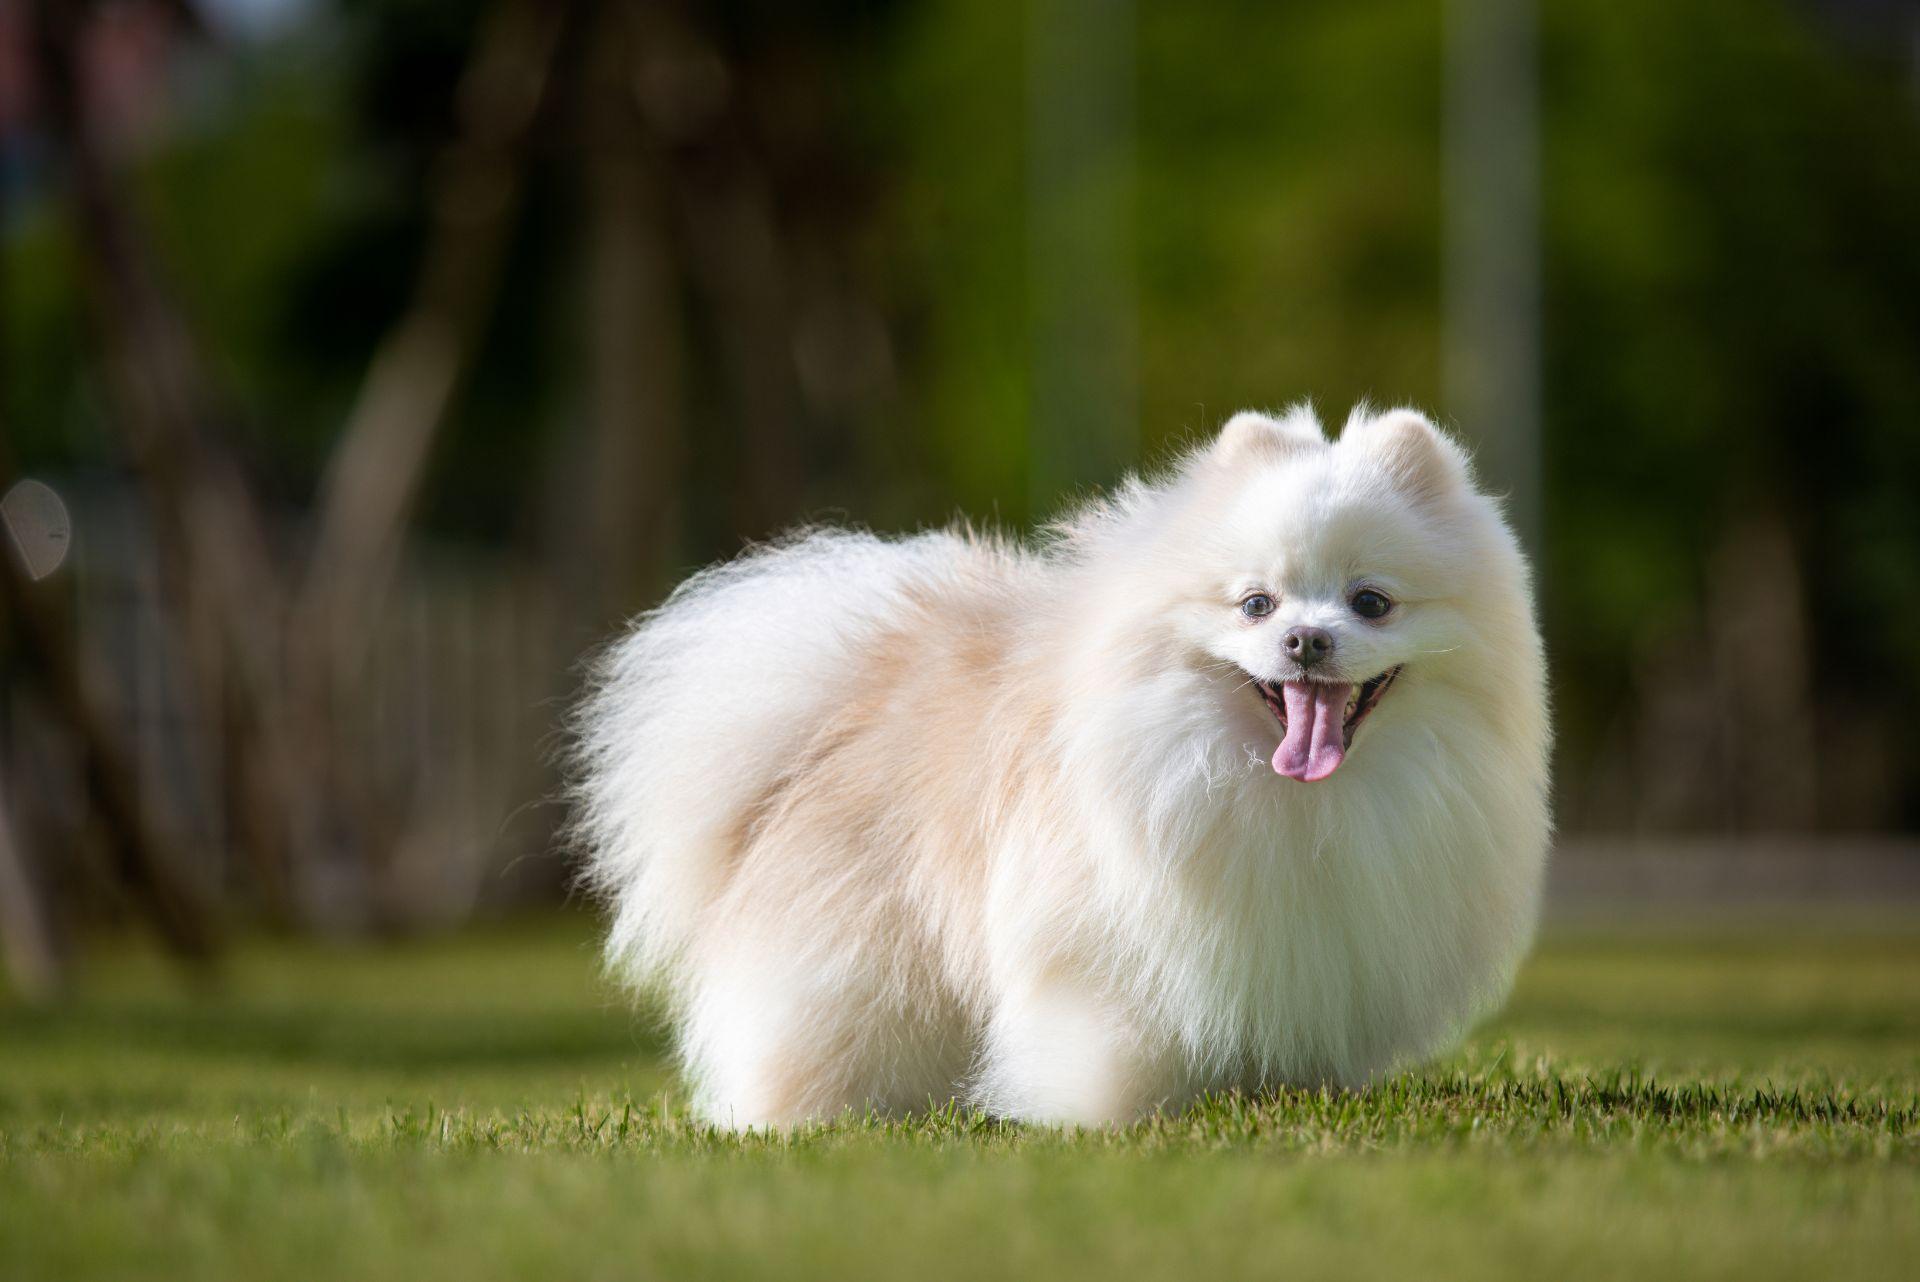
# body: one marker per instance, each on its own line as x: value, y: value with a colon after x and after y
x: 1251, y: 435
x: 1422, y: 460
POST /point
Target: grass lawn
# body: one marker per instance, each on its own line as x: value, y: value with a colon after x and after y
x: 1737, y: 1104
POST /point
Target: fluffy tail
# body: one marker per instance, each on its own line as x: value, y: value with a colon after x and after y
x: 691, y: 720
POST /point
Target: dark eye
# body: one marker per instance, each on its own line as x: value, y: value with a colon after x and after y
x: 1369, y: 604
x: 1257, y: 606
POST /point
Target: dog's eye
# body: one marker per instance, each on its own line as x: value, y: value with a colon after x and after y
x: 1257, y: 606
x: 1369, y: 604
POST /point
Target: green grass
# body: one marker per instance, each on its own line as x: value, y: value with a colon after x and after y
x: 1731, y: 1104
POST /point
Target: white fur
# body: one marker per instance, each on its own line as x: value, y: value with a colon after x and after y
x: 895, y: 822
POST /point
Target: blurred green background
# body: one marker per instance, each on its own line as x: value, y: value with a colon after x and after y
x: 701, y: 271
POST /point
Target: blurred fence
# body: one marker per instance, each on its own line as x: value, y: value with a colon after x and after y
x: 451, y: 715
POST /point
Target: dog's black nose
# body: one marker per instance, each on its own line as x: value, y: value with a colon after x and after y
x: 1307, y: 646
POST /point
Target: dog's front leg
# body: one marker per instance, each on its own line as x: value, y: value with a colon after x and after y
x: 1060, y: 1051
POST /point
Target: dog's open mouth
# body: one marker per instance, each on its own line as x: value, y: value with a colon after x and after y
x: 1318, y: 720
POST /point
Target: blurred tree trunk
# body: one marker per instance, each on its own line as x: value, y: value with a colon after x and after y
x: 373, y: 479
x: 738, y: 261
x: 633, y: 322
x: 1762, y: 668
x: 150, y: 869
x: 26, y: 931
x: 739, y: 268
x: 1082, y: 296
x: 1492, y: 330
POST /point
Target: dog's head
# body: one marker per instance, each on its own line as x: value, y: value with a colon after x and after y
x: 1327, y: 582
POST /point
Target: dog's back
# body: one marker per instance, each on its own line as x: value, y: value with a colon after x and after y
x: 667, y: 780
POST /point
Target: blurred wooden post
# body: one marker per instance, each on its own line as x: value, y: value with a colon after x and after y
x: 1083, y: 428
x: 1493, y: 247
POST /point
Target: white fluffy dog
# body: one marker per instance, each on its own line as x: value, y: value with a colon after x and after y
x: 1239, y: 780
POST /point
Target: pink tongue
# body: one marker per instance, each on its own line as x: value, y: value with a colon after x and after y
x: 1316, y: 726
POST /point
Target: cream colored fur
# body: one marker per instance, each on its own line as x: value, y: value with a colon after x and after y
x: 899, y: 821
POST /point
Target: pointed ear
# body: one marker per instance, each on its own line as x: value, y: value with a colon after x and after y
x: 1250, y: 434
x: 1423, y: 461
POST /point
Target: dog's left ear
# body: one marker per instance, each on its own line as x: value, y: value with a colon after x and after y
x: 1251, y: 434
x: 1424, y: 462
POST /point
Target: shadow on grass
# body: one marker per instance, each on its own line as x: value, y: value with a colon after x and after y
x: 1663, y: 1028
x: 321, y: 1037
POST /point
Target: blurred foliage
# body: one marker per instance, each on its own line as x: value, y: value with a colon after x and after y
x: 1731, y: 334
x: 1731, y: 272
